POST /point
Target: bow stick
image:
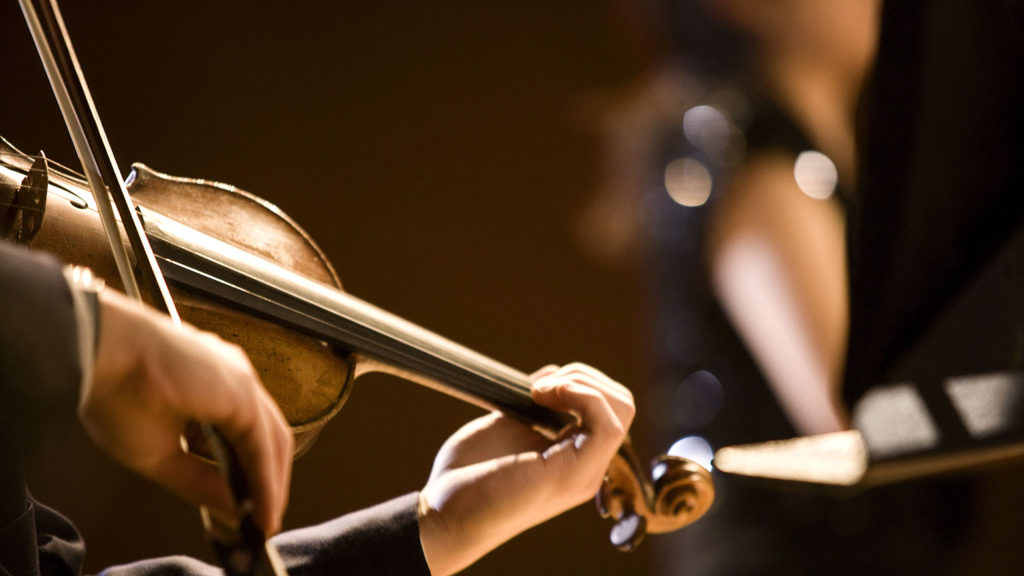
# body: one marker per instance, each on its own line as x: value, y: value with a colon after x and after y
x: 242, y: 550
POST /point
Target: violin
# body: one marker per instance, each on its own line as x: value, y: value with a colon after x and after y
x: 241, y: 268
x: 238, y: 266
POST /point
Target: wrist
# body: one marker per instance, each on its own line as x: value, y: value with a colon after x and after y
x: 117, y: 343
x: 428, y: 520
x: 442, y: 556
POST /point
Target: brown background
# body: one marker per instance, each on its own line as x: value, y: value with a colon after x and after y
x: 435, y: 150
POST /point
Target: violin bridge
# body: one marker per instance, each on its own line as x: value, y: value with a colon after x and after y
x: 21, y: 210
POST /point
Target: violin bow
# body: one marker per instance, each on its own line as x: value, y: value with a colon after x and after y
x: 241, y: 550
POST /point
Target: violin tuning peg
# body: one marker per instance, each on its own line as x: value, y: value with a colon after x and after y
x: 629, y: 530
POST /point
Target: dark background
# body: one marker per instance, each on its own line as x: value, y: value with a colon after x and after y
x: 440, y: 154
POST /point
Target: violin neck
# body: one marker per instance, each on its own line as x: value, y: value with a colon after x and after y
x: 240, y: 279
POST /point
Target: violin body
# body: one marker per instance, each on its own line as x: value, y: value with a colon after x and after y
x: 239, y: 267
x: 309, y: 380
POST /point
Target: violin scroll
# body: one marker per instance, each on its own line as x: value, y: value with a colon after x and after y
x: 675, y: 493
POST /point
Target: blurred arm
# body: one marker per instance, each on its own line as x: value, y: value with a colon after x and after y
x: 777, y: 265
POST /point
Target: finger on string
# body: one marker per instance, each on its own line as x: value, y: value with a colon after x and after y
x: 597, y: 419
x: 619, y: 397
x: 622, y: 409
x: 544, y: 372
x: 580, y: 457
x: 600, y: 380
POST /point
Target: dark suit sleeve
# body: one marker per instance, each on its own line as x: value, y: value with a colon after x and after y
x: 378, y: 541
x: 39, y: 357
x: 39, y: 383
x: 383, y: 541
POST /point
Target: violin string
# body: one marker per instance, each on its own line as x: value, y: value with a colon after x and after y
x: 28, y: 188
x: 24, y: 208
x: 54, y: 165
x: 62, y: 168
